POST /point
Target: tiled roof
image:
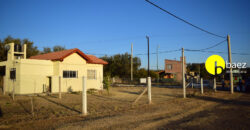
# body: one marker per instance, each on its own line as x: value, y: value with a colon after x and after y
x: 95, y: 60
x: 60, y: 55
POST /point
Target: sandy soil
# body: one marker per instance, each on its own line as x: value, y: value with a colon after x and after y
x: 220, y: 110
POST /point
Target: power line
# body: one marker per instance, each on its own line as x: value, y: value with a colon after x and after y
x: 184, y: 20
x: 217, y: 44
x: 217, y: 52
x: 160, y: 52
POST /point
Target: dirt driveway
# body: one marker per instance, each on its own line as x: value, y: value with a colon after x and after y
x: 219, y: 110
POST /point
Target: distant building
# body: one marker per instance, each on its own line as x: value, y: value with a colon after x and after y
x: 173, y: 70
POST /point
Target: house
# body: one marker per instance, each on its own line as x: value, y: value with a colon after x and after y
x: 44, y: 73
x: 173, y: 69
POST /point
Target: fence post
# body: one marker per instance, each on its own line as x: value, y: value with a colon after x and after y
x: 60, y: 91
x: 149, y: 90
x: 192, y: 83
x: 84, y: 96
x: 13, y: 91
x: 201, y: 85
x: 183, y: 74
x: 32, y: 106
x: 214, y: 84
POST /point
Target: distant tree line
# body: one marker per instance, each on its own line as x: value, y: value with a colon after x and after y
x: 31, y: 48
x: 119, y: 65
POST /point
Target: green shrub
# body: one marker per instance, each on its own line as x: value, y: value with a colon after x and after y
x: 91, y: 91
x: 106, y: 83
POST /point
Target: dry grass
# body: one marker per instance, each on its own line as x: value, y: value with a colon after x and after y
x: 113, y: 111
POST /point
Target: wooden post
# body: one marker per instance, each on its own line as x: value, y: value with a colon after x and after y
x: 32, y: 107
x: 131, y: 61
x: 60, y: 91
x: 137, y: 99
x: 148, y: 56
x: 192, y: 83
x: 84, y: 96
x: 149, y: 90
x: 230, y: 61
x: 215, y: 84
x: 183, y: 74
x: 201, y: 85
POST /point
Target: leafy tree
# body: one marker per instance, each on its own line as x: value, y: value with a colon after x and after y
x: 58, y: 48
x: 119, y: 65
x: 46, y: 50
x: 199, y: 68
x: 143, y: 73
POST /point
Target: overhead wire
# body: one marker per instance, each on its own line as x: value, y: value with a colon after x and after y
x: 185, y: 21
x: 215, y: 45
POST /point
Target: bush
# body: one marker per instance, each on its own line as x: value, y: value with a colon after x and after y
x: 91, y: 91
x: 106, y: 83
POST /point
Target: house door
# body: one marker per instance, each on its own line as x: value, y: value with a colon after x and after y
x: 48, y: 84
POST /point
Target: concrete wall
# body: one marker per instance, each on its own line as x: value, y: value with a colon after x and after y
x: 98, y: 82
x: 74, y: 62
x: 34, y: 75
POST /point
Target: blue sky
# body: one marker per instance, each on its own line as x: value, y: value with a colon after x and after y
x: 110, y: 26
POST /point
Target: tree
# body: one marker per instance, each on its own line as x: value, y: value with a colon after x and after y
x: 119, y: 65
x: 58, y: 48
x: 199, y: 68
x: 46, y: 50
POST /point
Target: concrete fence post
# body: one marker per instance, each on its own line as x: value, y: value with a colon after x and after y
x: 60, y: 89
x: 215, y: 84
x: 13, y: 90
x: 84, y: 96
x: 201, y: 85
x: 149, y: 90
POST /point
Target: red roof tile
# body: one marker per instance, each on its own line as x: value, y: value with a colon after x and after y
x: 60, y: 55
x: 96, y: 60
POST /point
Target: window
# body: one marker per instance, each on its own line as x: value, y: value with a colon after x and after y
x: 13, y: 73
x: 91, y: 74
x: 169, y: 67
x: 70, y: 74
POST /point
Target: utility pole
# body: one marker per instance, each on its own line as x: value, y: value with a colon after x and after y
x: 157, y: 56
x: 131, y: 61
x: 183, y: 74
x: 148, y: 55
x: 230, y: 61
x: 157, y: 64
